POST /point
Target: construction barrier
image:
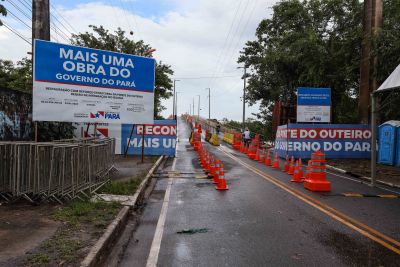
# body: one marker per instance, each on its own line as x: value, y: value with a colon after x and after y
x: 56, y: 171
x: 228, y: 138
x: 316, y: 180
x: 214, y: 140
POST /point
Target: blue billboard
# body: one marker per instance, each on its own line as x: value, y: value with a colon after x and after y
x: 335, y: 140
x: 159, y: 138
x: 80, y: 84
x: 314, y: 96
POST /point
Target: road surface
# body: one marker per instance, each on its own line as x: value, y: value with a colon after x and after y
x: 262, y: 220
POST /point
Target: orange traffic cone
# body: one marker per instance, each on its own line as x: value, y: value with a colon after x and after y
x: 301, y: 173
x: 308, y: 170
x: 317, y: 178
x: 296, y: 176
x: 212, y: 168
x: 276, y: 162
x: 287, y: 164
x: 268, y: 159
x: 257, y: 157
x: 221, y: 181
x: 262, y: 156
x: 208, y: 162
x: 291, y: 168
x: 216, y: 172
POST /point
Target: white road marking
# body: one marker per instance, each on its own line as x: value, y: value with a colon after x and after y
x: 156, y: 243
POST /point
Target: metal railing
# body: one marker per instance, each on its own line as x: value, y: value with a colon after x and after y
x: 55, y: 171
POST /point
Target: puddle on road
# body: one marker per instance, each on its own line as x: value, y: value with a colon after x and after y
x: 359, y: 251
x: 182, y: 251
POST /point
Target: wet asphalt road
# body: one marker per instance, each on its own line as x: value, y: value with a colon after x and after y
x: 256, y: 223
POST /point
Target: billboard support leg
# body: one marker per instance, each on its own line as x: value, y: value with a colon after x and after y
x: 95, y: 130
x: 129, y: 141
x: 143, y: 144
x: 36, y: 131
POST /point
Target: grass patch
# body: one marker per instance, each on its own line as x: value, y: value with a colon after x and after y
x: 39, y: 259
x: 96, y: 213
x: 121, y: 187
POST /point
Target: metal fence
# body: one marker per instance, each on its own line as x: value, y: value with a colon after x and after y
x: 56, y: 171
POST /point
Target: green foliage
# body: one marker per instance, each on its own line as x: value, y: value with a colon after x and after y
x: 39, y: 259
x: 50, y: 131
x: 101, y: 38
x: 3, y: 10
x: 310, y: 43
x: 16, y: 76
x: 255, y: 126
x: 121, y: 187
x: 96, y: 213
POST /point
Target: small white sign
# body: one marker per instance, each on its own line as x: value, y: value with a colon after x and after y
x: 313, y: 113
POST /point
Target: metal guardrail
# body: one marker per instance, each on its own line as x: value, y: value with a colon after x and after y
x: 55, y: 171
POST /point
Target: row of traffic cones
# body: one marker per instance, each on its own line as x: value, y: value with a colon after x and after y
x: 314, y: 177
x: 213, y: 168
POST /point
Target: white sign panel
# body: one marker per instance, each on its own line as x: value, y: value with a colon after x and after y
x: 79, y: 84
x: 313, y: 104
x: 313, y: 113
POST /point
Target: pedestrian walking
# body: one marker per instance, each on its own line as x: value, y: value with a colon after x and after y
x: 246, y: 137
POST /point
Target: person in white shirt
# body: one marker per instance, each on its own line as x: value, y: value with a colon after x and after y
x: 246, y: 137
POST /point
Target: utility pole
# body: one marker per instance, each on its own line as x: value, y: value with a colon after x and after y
x: 209, y: 103
x: 244, y: 97
x: 198, y: 109
x: 190, y: 109
x: 40, y: 30
x: 372, y: 22
x: 40, y: 20
x: 174, y: 102
x: 176, y: 105
x: 193, y: 106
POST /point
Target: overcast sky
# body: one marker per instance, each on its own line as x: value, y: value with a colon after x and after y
x: 198, y: 38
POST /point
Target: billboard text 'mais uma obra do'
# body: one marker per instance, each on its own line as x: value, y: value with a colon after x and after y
x: 81, y: 84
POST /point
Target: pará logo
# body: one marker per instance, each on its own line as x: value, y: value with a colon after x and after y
x: 105, y: 115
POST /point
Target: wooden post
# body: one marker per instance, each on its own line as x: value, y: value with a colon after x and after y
x: 129, y: 141
x: 143, y: 144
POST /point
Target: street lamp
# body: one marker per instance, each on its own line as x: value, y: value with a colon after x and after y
x: 198, y: 109
x: 209, y: 103
x: 244, y: 96
x: 174, y: 103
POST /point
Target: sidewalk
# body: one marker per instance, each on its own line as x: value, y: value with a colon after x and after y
x: 362, y: 168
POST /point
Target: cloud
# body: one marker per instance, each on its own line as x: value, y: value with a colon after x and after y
x: 192, y: 38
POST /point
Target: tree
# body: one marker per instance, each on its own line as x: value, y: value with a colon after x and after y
x: 101, y: 38
x: 3, y: 10
x: 16, y: 76
x: 311, y: 43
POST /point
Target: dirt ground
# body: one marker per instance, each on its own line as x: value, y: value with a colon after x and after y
x: 30, y: 233
x: 362, y: 167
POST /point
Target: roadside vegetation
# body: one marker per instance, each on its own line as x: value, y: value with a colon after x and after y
x: 83, y: 222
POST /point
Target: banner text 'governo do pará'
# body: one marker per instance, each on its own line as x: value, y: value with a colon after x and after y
x: 80, y: 84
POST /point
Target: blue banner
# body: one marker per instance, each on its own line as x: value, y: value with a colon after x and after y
x: 60, y: 63
x: 335, y: 140
x: 313, y: 96
x: 159, y: 138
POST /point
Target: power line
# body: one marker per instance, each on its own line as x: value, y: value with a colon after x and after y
x: 20, y: 10
x: 26, y: 4
x: 243, y: 30
x: 226, y: 40
x: 16, y: 17
x: 16, y: 32
x: 62, y: 18
x: 235, y: 34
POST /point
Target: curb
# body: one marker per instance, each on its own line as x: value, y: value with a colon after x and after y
x: 365, y: 178
x: 95, y: 255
